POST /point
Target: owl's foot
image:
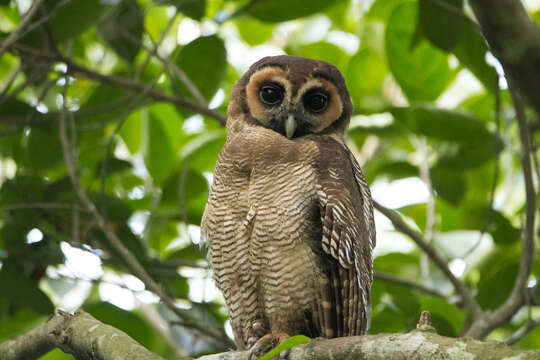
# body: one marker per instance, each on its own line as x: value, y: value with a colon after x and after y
x: 267, y: 343
x: 257, y: 331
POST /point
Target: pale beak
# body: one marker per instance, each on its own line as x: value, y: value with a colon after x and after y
x: 290, y: 126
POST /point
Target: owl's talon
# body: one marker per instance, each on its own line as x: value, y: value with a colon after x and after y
x: 267, y: 343
x: 251, y: 341
x: 259, y: 330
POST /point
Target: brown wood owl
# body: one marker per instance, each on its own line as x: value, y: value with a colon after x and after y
x: 289, y: 220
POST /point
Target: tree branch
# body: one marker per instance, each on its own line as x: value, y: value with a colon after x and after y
x: 397, y: 280
x: 15, y: 35
x: 520, y: 333
x: 80, y: 335
x: 515, y: 40
x: 126, y: 255
x: 420, y: 344
x: 468, y: 300
x: 128, y: 84
x: 520, y: 293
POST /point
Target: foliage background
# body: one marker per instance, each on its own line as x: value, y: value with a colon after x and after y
x: 434, y: 126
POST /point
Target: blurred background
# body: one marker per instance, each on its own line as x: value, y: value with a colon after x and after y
x: 120, y: 105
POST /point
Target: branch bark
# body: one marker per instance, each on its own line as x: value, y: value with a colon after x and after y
x: 85, y: 337
x: 468, y: 299
x: 520, y: 293
x: 80, y: 335
x: 515, y: 40
x: 417, y: 344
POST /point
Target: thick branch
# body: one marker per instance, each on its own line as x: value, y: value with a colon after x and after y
x: 80, y: 335
x: 515, y: 40
x: 416, y: 345
x: 468, y: 299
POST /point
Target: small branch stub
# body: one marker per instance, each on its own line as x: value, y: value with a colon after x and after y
x: 424, y: 323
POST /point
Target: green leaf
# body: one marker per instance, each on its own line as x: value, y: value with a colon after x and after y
x: 446, y: 318
x: 443, y: 124
x: 448, y: 184
x: 365, y: 74
x: 394, y: 170
x: 114, y: 165
x: 494, y: 287
x: 122, y: 29
x: 400, y: 264
x: 420, y: 69
x: 73, y: 17
x: 159, y: 155
x: 204, y: 60
x: 389, y: 320
x: 23, y: 292
x: 502, y: 230
x: 194, y: 196
x: 202, y: 151
x: 441, y: 26
x: 127, y: 321
x: 105, y: 103
x: 131, y: 131
x: 13, y: 323
x: 324, y: 51
x: 56, y: 354
x: 382, y: 9
x: 471, y: 51
x: 283, y: 10
x: 252, y: 31
x: 193, y: 8
x: 178, y: 287
x: 44, y: 149
x: 285, y: 345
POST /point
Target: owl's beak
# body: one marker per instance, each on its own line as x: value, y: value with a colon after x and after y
x: 290, y: 126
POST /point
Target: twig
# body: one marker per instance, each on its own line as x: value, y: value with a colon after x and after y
x: 468, y: 299
x: 520, y: 293
x: 9, y: 81
x: 155, y: 48
x: 14, y: 36
x: 44, y: 19
x: 130, y: 260
x: 429, y: 231
x: 237, y: 12
x: 520, y: 333
x: 184, y: 78
x: 415, y: 285
x: 128, y: 84
x: 130, y: 107
x: 38, y: 205
x: 489, y: 210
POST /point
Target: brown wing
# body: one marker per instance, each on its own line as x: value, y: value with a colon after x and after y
x: 348, y: 235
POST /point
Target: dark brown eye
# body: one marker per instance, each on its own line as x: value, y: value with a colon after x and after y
x: 315, y: 101
x: 271, y: 94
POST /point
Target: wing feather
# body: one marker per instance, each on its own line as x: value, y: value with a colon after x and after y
x: 348, y: 234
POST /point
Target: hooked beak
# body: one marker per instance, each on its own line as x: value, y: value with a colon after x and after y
x: 290, y: 126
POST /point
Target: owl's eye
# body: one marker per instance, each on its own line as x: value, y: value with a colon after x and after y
x: 315, y: 101
x: 271, y: 94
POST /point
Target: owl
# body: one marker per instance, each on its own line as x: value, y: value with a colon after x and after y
x: 289, y: 219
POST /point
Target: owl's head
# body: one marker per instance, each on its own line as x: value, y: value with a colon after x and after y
x: 291, y: 95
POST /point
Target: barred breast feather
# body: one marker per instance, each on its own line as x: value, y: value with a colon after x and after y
x: 290, y: 231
